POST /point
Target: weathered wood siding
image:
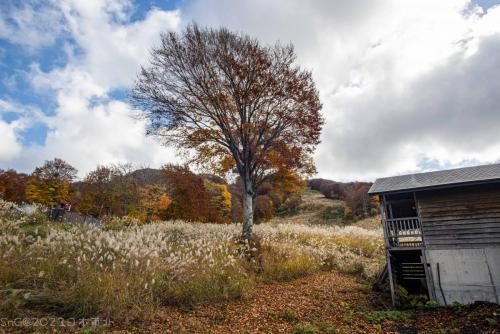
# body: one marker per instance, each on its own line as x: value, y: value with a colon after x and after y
x: 461, y: 217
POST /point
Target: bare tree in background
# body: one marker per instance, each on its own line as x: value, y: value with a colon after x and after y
x: 233, y: 103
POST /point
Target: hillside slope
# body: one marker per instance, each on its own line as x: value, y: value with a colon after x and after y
x: 316, y: 209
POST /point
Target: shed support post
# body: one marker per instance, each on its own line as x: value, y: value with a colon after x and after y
x: 428, y: 276
x: 383, y: 209
x: 383, y: 218
x: 391, y: 280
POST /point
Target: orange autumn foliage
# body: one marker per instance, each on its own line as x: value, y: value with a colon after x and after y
x: 153, y: 203
x: 191, y: 200
x: 13, y: 186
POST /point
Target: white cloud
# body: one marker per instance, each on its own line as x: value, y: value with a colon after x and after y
x: 112, y: 49
x: 10, y: 147
x: 402, y: 82
x: 86, y: 135
x: 88, y: 127
x: 446, y: 111
x: 33, y: 25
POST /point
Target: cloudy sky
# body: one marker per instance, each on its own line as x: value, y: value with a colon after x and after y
x: 406, y: 85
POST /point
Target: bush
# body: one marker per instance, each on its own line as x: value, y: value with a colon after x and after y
x: 119, y: 223
x: 279, y: 195
x: 356, y: 269
x: 313, y: 184
x: 377, y: 317
x: 213, y: 285
x: 191, y: 200
x: 290, y: 206
x: 305, y: 329
x: 413, y: 301
x: 278, y: 266
x: 316, y: 327
x: 264, y: 209
x: 286, y: 314
x: 13, y: 186
x: 332, y: 190
x: 337, y: 213
x: 357, y: 199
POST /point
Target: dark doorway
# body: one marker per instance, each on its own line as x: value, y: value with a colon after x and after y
x: 401, y: 206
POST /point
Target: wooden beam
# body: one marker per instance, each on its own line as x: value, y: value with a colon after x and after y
x: 391, y: 280
x: 417, y: 207
x: 428, y: 276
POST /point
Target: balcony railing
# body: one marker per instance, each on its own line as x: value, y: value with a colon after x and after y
x: 403, y: 232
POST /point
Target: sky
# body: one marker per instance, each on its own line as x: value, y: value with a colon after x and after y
x: 406, y: 86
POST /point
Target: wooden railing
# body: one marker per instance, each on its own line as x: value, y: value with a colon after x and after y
x: 403, y: 232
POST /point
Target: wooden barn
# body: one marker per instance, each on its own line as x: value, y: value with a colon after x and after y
x: 442, y: 233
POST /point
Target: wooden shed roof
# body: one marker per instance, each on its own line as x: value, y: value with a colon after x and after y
x: 439, y: 179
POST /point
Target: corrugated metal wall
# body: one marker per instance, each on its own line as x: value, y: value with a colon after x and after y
x: 461, y: 217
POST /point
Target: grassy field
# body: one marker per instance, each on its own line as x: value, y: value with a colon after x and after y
x: 304, y: 274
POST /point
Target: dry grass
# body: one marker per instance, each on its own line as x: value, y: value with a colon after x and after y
x: 174, y: 277
x: 129, y: 270
x: 370, y: 223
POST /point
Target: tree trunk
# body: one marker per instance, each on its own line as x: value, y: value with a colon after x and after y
x: 247, y: 211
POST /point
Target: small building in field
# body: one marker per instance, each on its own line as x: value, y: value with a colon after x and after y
x: 442, y: 233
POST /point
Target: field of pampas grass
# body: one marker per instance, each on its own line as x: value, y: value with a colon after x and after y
x: 301, y: 275
x: 126, y: 270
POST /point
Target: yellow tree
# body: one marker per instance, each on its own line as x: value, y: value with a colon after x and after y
x: 234, y: 103
x: 153, y: 202
x: 221, y: 199
x: 50, y: 183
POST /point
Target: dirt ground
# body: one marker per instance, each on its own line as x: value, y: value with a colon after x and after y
x: 320, y: 303
x: 323, y: 303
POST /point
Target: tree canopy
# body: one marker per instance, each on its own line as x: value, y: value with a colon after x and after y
x: 13, y: 186
x: 231, y: 104
x: 50, y: 183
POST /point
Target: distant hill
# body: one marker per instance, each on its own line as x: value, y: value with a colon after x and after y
x: 146, y: 176
x: 355, y: 194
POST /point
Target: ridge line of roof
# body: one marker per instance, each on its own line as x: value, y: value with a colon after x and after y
x: 440, y: 178
x: 440, y: 170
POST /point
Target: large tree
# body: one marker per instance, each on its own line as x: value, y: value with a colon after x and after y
x: 232, y: 104
x: 94, y: 195
x: 13, y: 186
x: 50, y: 183
x: 107, y: 190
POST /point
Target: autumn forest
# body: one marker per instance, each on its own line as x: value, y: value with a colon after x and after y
x: 170, y: 193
